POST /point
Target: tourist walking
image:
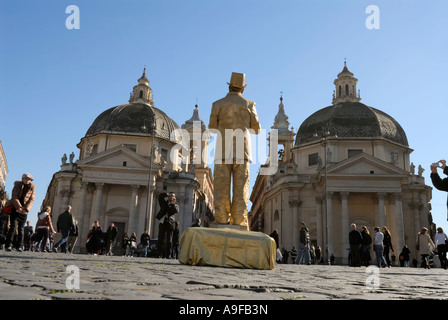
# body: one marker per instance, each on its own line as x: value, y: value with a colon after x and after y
x: 365, y: 246
x: 144, y: 240
x: 293, y: 254
x: 64, y: 225
x: 318, y: 252
x: 387, y: 245
x: 95, y: 239
x: 111, y: 235
x: 44, y: 228
x: 21, y: 202
x: 312, y: 253
x: 303, y: 256
x: 441, y: 245
x: 132, y: 244
x: 424, y: 244
x: 378, y: 247
x: 405, y: 256
x: 27, y: 233
x: 355, y: 241
x: 124, y: 244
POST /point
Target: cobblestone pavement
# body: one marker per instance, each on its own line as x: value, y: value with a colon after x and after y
x: 36, y: 276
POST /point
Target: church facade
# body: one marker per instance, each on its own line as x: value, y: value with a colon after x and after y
x: 126, y: 160
x: 347, y: 163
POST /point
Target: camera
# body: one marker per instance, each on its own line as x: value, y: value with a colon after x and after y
x: 436, y: 164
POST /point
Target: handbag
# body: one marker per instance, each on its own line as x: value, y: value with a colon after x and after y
x: 8, y: 209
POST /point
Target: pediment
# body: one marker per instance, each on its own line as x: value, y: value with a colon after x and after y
x: 365, y: 164
x: 119, y: 156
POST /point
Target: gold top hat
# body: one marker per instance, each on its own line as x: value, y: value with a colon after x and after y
x: 237, y: 80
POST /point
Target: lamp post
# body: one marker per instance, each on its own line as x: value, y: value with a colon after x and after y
x: 328, y: 218
x: 149, y: 186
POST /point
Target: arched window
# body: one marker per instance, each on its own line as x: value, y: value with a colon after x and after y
x: 340, y: 91
x: 276, y: 215
x: 346, y: 89
x: 141, y: 94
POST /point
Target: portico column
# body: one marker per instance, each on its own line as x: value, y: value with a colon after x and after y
x: 400, y: 222
x: 295, y: 218
x: 345, y: 225
x: 82, y: 212
x: 141, y: 212
x: 133, y: 209
x: 381, y: 209
x: 329, y: 203
x: 319, y: 223
x: 98, y: 202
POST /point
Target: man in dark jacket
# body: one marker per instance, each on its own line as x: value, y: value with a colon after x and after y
x: 64, y: 225
x: 355, y: 241
x: 111, y: 235
x: 438, y: 183
x: 168, y: 208
x: 144, y: 241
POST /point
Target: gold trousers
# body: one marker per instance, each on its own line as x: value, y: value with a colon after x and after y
x: 235, y: 209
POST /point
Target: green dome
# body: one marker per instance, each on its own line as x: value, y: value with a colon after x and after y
x: 133, y: 119
x: 351, y: 120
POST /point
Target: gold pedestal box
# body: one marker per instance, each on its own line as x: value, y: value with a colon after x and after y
x: 225, y: 247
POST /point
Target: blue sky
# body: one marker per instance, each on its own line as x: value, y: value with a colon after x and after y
x: 54, y: 81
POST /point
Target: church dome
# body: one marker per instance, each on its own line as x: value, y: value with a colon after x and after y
x: 133, y: 119
x: 137, y: 117
x: 351, y: 120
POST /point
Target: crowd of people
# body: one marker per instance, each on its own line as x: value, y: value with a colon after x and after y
x: 17, y: 233
x: 361, y: 244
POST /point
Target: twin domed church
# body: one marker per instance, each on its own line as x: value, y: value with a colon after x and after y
x: 347, y: 163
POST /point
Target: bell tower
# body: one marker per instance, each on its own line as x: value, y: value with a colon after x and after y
x: 142, y: 92
x: 345, y: 90
x: 285, y: 135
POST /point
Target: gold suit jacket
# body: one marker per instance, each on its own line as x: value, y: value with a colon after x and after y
x: 236, y: 113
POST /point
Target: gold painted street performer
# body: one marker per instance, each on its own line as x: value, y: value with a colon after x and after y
x: 235, y: 118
